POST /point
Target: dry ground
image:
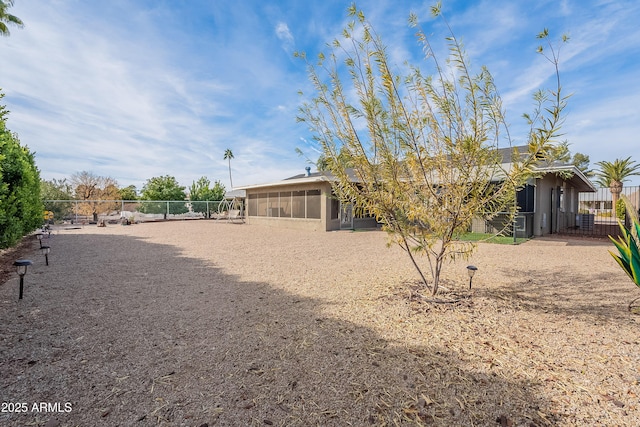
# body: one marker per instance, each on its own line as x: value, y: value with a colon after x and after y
x: 197, y: 323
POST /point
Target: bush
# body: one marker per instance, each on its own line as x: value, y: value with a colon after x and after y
x: 21, y: 210
x: 620, y: 209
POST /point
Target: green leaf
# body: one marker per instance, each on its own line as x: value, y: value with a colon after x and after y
x: 635, y: 261
x: 622, y: 264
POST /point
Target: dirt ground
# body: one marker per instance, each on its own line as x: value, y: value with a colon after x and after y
x: 202, y: 323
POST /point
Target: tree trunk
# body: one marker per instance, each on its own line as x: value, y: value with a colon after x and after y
x: 616, y: 188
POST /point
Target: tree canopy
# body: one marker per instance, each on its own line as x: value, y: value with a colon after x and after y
x: 98, y: 192
x: 201, y: 192
x: 424, y: 148
x: 620, y: 170
x: 21, y: 209
x: 8, y: 19
x: 613, y: 175
x: 163, y: 188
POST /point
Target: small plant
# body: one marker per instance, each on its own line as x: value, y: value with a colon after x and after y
x: 620, y: 209
x: 627, y: 244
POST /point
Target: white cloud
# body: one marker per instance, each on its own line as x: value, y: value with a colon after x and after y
x: 283, y: 33
x: 158, y: 91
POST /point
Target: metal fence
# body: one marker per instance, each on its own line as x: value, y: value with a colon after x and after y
x: 598, y: 217
x: 132, y: 211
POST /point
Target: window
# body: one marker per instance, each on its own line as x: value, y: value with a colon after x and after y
x: 335, y: 206
x: 262, y: 204
x: 297, y: 204
x: 313, y: 204
x: 286, y: 204
x: 253, y: 205
x: 273, y: 204
x: 526, y: 199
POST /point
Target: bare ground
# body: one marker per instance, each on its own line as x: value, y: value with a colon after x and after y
x: 199, y: 323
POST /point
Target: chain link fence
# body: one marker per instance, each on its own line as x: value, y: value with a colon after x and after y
x: 135, y: 211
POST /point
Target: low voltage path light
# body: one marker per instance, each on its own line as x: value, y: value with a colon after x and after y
x: 39, y: 237
x: 21, y: 267
x: 44, y: 250
x: 471, y: 269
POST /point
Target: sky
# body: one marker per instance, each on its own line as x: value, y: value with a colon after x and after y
x: 139, y: 89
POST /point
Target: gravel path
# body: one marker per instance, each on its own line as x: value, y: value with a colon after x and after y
x: 194, y: 323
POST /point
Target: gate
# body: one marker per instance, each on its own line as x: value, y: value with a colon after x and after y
x: 598, y: 217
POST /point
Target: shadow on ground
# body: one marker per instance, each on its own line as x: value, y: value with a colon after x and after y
x: 590, y: 295
x: 133, y: 333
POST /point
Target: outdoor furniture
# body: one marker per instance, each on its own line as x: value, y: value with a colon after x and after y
x: 235, y: 215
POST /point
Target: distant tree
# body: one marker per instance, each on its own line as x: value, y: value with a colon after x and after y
x: 57, y: 190
x: 7, y: 18
x: 129, y: 193
x: 581, y: 161
x: 202, y: 192
x: 164, y: 188
x: 98, y: 193
x: 613, y: 175
x: 562, y: 154
x: 21, y: 209
x: 423, y: 148
x: 228, y: 155
x: 321, y: 164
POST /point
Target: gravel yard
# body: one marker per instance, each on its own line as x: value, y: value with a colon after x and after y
x: 194, y: 323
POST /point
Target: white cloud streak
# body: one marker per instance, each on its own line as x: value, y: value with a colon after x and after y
x: 132, y: 93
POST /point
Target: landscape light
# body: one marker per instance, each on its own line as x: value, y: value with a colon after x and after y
x: 44, y: 250
x: 39, y: 237
x: 21, y: 267
x: 471, y: 269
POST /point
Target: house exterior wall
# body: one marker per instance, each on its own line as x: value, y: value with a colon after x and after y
x: 555, y: 208
x: 273, y: 218
x: 556, y: 205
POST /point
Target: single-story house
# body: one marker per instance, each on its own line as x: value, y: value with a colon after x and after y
x: 305, y: 201
x: 548, y: 204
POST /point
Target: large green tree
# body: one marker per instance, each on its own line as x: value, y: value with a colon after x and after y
x: 21, y: 209
x: 614, y: 174
x: 423, y: 147
x: 163, y: 188
x: 129, y: 193
x: 201, y: 192
x: 8, y: 19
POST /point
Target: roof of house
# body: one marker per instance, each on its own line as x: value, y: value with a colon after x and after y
x: 577, y: 179
x: 235, y: 194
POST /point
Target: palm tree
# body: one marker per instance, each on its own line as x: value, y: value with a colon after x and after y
x: 7, y: 18
x: 228, y: 155
x: 612, y: 175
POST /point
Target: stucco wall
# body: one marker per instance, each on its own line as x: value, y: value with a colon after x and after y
x: 548, y: 215
x: 310, y: 224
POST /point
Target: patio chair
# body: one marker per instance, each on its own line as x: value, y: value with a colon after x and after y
x: 235, y: 215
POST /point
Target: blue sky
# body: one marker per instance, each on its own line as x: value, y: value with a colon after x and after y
x: 137, y: 89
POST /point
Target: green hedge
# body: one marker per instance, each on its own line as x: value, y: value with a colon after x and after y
x: 21, y: 209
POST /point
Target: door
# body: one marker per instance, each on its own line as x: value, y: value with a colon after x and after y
x: 556, y: 209
x: 346, y: 216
